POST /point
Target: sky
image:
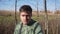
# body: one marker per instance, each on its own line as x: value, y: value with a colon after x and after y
x: 10, y: 4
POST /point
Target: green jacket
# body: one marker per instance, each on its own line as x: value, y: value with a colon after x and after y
x: 32, y: 28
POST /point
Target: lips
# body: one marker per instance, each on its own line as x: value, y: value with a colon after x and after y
x: 25, y: 21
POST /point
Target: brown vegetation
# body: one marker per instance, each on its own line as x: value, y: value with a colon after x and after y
x: 7, y: 23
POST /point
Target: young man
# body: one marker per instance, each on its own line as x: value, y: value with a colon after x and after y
x: 27, y: 25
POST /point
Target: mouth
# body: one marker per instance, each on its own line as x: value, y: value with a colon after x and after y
x: 26, y: 21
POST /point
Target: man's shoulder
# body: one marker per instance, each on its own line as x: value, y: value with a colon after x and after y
x: 36, y: 23
x: 37, y: 27
x: 18, y: 25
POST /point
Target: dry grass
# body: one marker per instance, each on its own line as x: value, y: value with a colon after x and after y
x: 7, y: 23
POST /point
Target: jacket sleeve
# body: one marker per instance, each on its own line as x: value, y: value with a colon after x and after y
x: 38, y: 29
x: 16, y: 31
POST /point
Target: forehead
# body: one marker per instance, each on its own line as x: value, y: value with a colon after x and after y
x: 24, y: 13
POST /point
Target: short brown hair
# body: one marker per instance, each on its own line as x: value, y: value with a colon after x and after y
x: 26, y: 8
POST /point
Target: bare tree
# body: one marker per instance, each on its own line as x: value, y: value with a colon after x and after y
x: 46, y: 17
x: 15, y: 11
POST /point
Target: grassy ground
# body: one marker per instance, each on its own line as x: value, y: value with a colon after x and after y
x: 7, y: 23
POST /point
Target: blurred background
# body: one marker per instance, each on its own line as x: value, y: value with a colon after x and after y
x: 47, y: 12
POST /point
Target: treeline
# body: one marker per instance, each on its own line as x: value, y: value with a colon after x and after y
x: 12, y: 13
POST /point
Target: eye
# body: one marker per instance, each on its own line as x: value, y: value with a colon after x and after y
x: 27, y: 15
x: 23, y: 15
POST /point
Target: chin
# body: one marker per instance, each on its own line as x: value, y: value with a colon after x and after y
x: 25, y: 23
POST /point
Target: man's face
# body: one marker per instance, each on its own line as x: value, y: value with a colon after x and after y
x: 25, y: 17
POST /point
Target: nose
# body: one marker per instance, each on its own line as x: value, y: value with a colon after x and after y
x: 25, y: 18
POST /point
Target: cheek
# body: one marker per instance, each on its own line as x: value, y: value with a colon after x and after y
x: 28, y: 18
x: 21, y: 18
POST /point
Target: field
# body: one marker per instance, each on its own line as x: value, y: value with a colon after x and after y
x: 7, y: 23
